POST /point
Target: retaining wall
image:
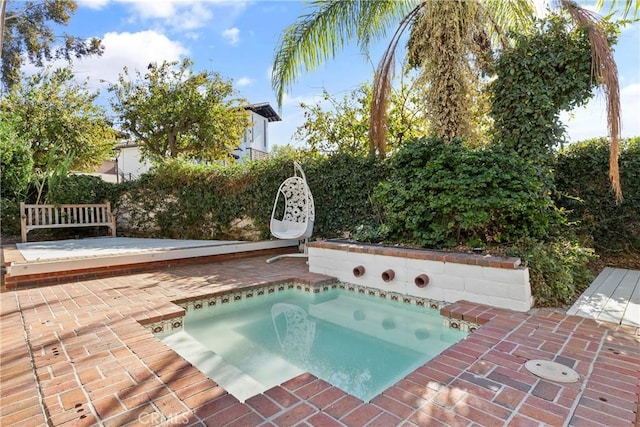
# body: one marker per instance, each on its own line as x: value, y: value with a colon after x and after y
x: 442, y: 276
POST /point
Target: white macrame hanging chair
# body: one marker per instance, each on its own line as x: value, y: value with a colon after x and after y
x: 293, y: 212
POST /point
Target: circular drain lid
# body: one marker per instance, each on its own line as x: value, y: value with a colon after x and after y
x: 552, y: 371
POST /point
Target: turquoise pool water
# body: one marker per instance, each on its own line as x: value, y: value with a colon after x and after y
x: 358, y: 343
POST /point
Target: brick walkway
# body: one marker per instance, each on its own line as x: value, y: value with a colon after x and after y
x: 76, y: 354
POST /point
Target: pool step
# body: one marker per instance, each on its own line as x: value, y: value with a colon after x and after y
x: 236, y: 382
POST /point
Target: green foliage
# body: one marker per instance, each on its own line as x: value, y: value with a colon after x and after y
x: 584, y: 190
x: 74, y: 189
x: 447, y: 194
x: 344, y: 126
x: 174, y: 112
x: 57, y: 116
x: 557, y: 270
x: 55, y: 172
x: 16, y: 163
x: 327, y: 28
x: 545, y: 72
x: 178, y: 199
x: 342, y: 186
x: 28, y: 32
x: 371, y: 234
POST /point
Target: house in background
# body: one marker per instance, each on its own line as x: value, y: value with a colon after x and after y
x: 128, y: 164
x: 255, y: 143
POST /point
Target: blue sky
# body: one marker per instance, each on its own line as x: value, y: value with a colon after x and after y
x: 237, y: 39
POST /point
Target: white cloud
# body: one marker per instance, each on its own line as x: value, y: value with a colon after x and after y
x: 195, y: 17
x: 287, y: 100
x: 232, y: 35
x: 244, y: 81
x: 133, y: 50
x: 152, y: 9
x: 180, y: 15
x: 93, y: 4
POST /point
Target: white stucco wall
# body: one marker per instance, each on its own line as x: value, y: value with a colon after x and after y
x: 257, y: 135
x: 130, y: 163
x: 448, y: 281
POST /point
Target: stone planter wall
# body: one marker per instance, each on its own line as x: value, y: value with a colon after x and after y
x: 495, y: 281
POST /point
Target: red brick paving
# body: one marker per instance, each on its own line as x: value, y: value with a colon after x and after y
x: 76, y: 354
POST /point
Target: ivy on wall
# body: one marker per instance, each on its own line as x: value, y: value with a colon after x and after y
x: 584, y: 191
x: 186, y: 201
x: 544, y: 73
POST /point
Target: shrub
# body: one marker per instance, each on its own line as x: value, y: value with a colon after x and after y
x: 16, y: 165
x: 584, y: 190
x: 342, y: 186
x: 545, y: 72
x: 557, y: 270
x: 443, y: 193
x: 74, y: 189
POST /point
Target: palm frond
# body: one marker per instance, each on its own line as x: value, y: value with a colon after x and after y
x: 605, y: 71
x: 511, y: 15
x: 626, y: 7
x: 379, y: 16
x: 505, y: 16
x: 382, y: 87
x: 321, y: 34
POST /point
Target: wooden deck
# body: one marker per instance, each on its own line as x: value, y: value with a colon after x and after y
x: 614, y: 296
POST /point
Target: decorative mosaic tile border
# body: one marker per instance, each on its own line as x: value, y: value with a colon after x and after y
x: 218, y: 300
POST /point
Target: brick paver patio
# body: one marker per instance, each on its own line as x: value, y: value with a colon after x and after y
x: 77, y: 354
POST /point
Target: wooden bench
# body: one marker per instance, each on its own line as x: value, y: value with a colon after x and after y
x: 33, y: 217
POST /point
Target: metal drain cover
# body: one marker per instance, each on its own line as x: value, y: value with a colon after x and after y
x: 552, y: 371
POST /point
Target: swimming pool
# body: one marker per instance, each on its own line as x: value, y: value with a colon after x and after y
x: 358, y: 343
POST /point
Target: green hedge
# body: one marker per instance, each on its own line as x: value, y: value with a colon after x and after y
x: 83, y: 189
x: 186, y: 201
x: 584, y: 190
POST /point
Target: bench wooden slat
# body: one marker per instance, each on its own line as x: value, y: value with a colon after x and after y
x: 34, y: 217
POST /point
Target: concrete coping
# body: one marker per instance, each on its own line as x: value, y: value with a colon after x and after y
x: 484, y: 260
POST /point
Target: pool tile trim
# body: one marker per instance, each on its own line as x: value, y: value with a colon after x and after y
x: 173, y: 321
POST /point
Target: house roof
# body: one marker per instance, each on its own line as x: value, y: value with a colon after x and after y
x: 265, y: 110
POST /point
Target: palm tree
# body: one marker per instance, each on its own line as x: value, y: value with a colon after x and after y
x: 443, y: 35
x: 459, y: 29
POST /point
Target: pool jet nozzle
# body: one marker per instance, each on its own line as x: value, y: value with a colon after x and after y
x: 388, y: 275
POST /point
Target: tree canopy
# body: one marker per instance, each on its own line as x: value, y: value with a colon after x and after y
x: 26, y: 32
x: 57, y: 117
x: 174, y: 112
x: 343, y: 124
